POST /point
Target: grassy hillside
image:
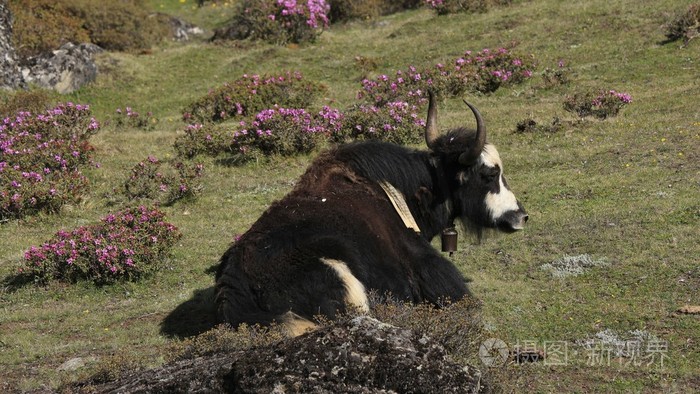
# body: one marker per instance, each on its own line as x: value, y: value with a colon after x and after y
x: 624, y: 191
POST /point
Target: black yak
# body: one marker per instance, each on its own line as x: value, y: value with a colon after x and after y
x: 361, y: 219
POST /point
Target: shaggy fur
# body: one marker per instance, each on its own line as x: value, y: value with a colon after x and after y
x: 338, y: 212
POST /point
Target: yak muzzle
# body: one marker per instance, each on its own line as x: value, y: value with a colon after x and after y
x: 512, y: 221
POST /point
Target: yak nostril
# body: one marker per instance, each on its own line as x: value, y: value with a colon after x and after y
x: 525, y: 218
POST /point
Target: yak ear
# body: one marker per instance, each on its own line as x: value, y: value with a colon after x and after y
x: 425, y: 197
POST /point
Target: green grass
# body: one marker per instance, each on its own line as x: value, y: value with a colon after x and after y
x: 624, y: 189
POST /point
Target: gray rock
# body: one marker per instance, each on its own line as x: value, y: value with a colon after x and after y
x: 10, y: 76
x: 182, y: 30
x: 359, y: 355
x: 65, y: 69
x: 76, y: 363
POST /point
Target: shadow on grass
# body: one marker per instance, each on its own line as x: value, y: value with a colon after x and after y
x: 192, y: 317
x: 14, y: 282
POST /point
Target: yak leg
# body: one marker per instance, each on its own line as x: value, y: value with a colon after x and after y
x: 440, y: 281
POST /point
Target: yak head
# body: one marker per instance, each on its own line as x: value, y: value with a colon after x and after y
x: 473, y: 176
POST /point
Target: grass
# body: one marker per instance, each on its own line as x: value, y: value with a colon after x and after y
x: 624, y: 190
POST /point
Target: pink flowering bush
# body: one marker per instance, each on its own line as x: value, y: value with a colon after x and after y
x: 286, y: 131
x: 124, y: 246
x: 277, y: 21
x: 42, y: 158
x: 396, y: 122
x: 130, y: 118
x: 483, y: 71
x: 274, y: 131
x: 163, y: 183
x: 598, y: 103
x: 250, y: 94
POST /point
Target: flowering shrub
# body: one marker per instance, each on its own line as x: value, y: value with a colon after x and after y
x: 41, y: 158
x: 552, y: 77
x: 483, y: 71
x: 125, y: 245
x: 395, y: 122
x: 600, y: 104
x: 151, y: 180
x: 284, y: 131
x: 130, y: 118
x: 277, y: 21
x: 288, y: 131
x: 250, y: 94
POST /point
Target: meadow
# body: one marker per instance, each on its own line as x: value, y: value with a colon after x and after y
x: 616, y: 199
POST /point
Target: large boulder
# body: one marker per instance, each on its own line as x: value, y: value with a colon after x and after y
x: 65, y: 69
x: 10, y: 76
x: 357, y: 355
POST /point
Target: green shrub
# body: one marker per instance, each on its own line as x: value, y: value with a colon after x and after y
x: 558, y: 76
x: 43, y: 25
x: 684, y: 24
x: 130, y: 118
x: 392, y: 6
x: 121, y: 25
x: 42, y: 157
x: 443, y: 7
x: 34, y: 101
x: 162, y: 183
x: 251, y: 94
x: 597, y: 103
x: 208, y: 139
x: 124, y: 246
x: 345, y: 10
x: 277, y: 21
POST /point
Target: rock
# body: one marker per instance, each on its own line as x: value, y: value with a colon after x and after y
x: 10, y: 76
x: 76, y: 363
x: 65, y: 69
x: 182, y: 30
x: 358, y: 355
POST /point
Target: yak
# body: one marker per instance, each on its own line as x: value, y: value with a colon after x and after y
x: 360, y: 219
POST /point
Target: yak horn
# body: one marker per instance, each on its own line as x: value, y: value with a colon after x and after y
x: 431, y: 131
x: 473, y: 153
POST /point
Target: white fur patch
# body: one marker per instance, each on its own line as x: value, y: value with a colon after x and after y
x: 503, y: 201
x: 490, y: 156
x: 355, y: 291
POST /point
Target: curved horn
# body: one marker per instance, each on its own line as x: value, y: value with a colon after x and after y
x: 474, y: 151
x: 431, y: 131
